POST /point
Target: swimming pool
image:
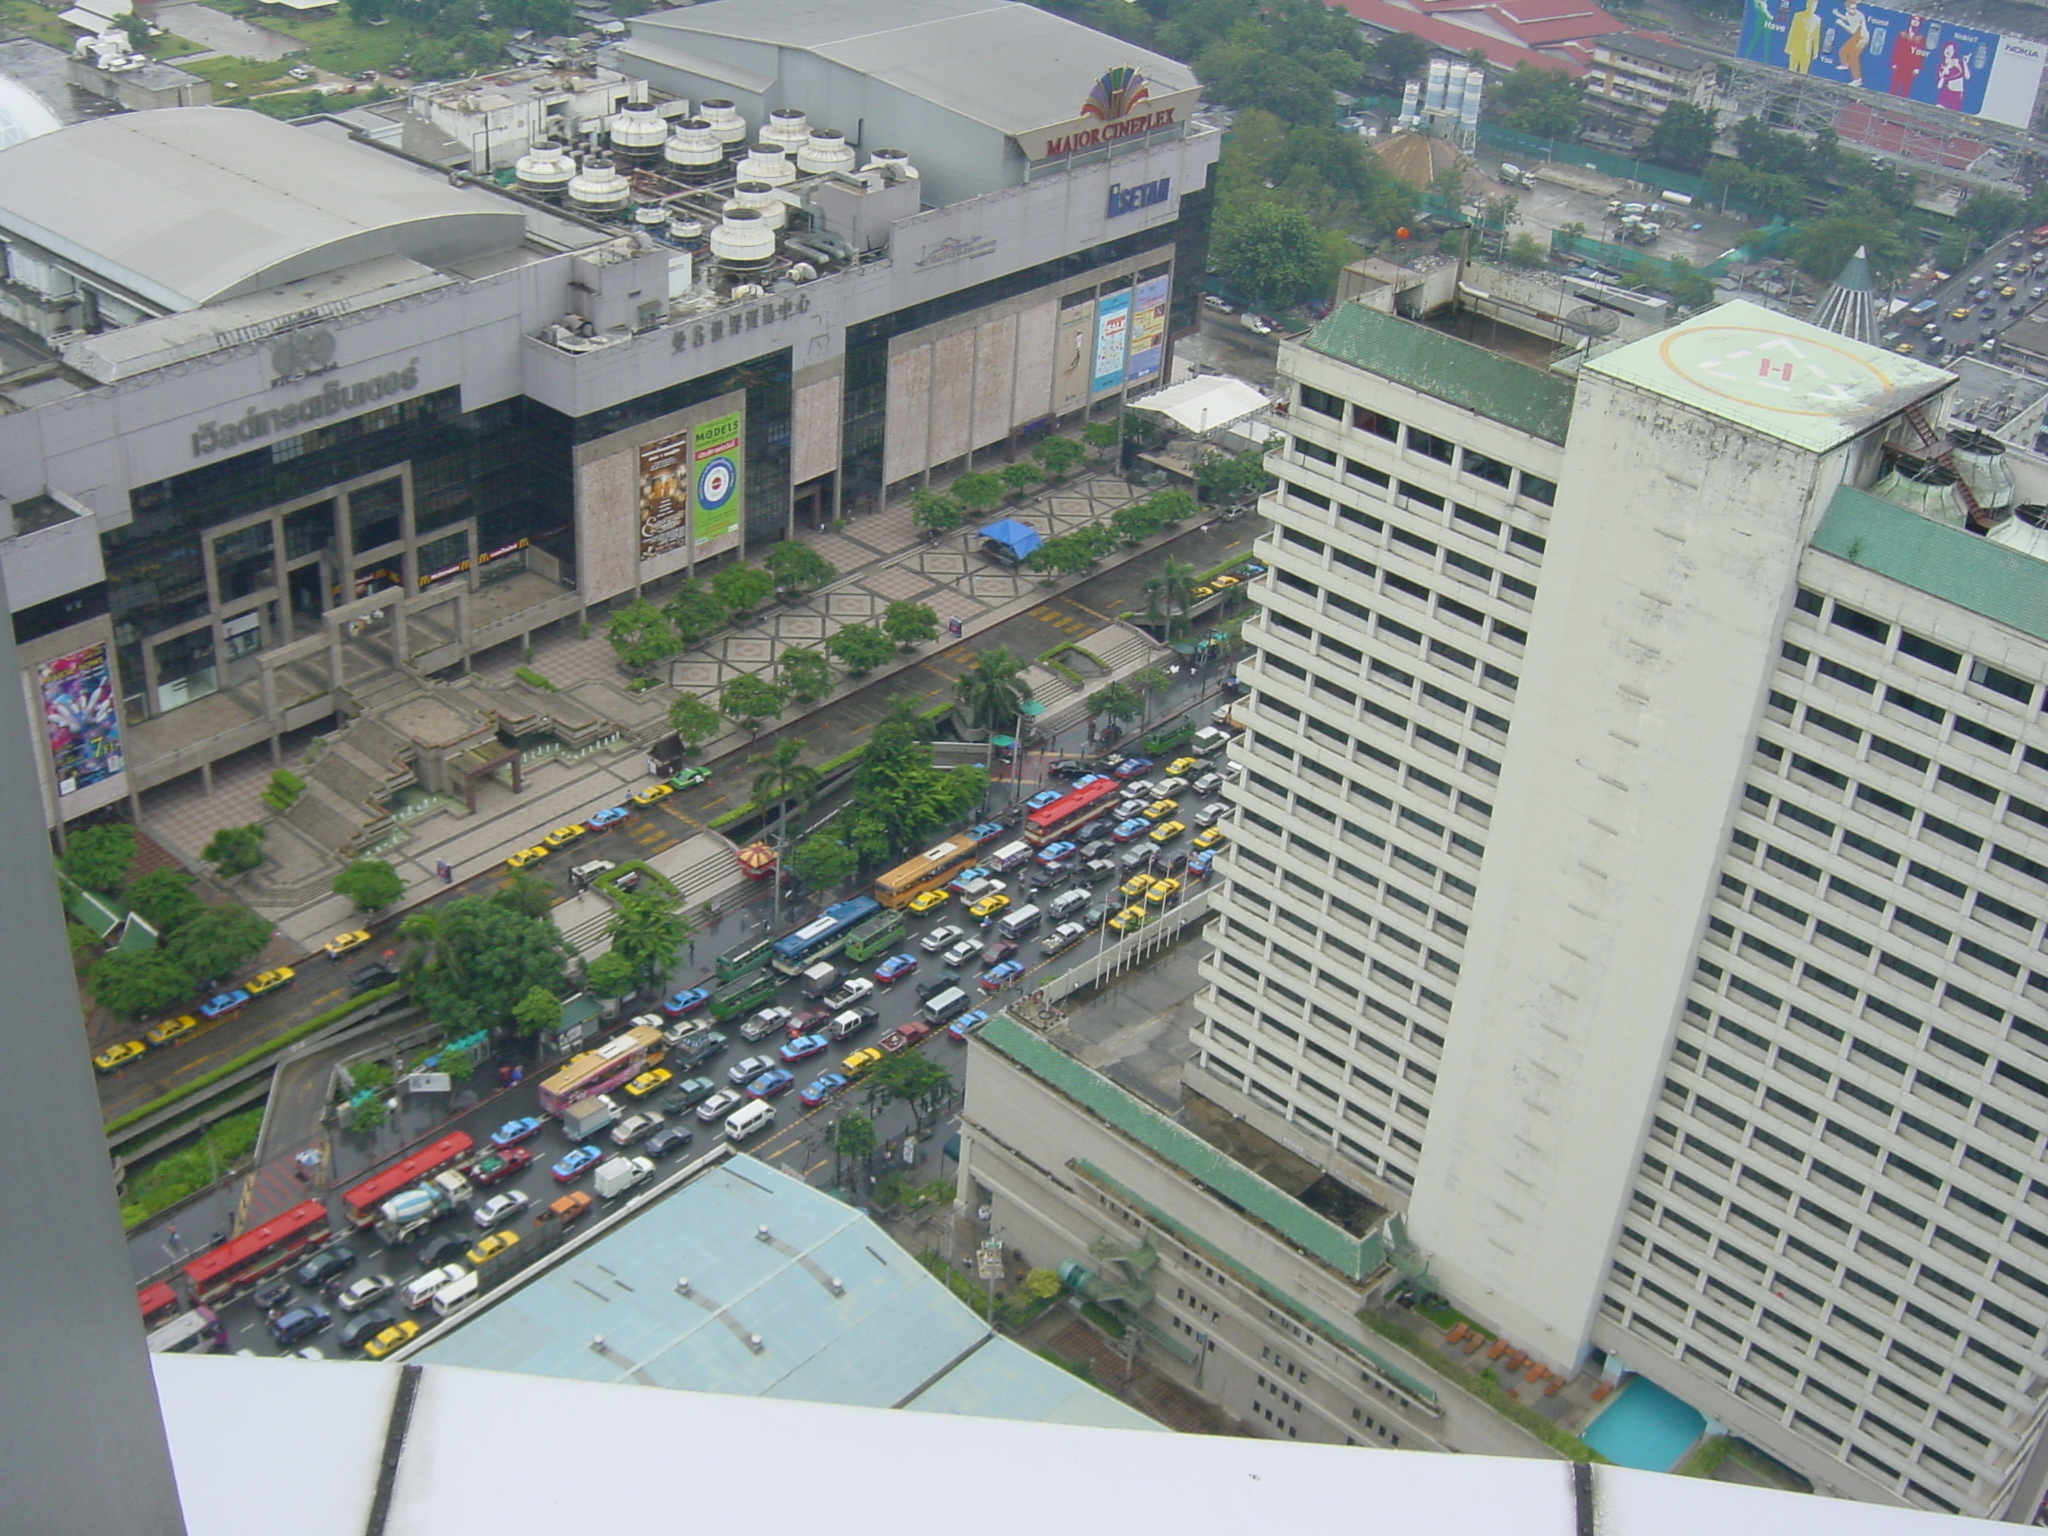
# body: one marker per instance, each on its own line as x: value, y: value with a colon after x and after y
x: 1645, y: 1427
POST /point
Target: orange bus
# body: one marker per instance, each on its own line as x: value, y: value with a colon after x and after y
x: 619, y: 1060
x: 933, y: 867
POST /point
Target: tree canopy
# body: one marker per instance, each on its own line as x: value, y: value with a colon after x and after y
x: 164, y: 898
x: 137, y: 984
x: 98, y: 856
x: 1538, y: 101
x: 371, y: 884
x: 471, y: 960
x: 218, y: 941
x: 1684, y: 136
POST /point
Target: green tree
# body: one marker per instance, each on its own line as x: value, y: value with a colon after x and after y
x: 1270, y: 250
x: 610, y: 975
x: 98, y: 856
x: 536, y: 1011
x: 1684, y: 137
x: 1539, y: 101
x: 694, y: 721
x: 1099, y: 435
x: 235, y: 850
x: 527, y: 894
x: 641, y: 636
x: 1019, y: 478
x: 1823, y: 246
x: 1989, y: 215
x: 1151, y: 684
x: 1118, y: 703
x: 784, y: 780
x: 742, y: 588
x: 1041, y: 1284
x: 1523, y: 251
x: 1233, y: 477
x: 797, y: 567
x: 1245, y: 72
x: 978, y: 492
x: 138, y: 983
x: 548, y: 18
x: 695, y: 612
x: 912, y: 1078
x: 747, y: 700
x: 805, y: 673
x: 648, y: 935
x: 371, y: 884
x: 853, y: 1145
x: 993, y: 690
x: 1136, y: 522
x: 860, y: 648
x: 821, y: 861
x: 1058, y: 456
x: 283, y: 790
x: 1170, y: 594
x: 1064, y: 554
x: 896, y: 796
x: 910, y: 624
x: 83, y: 943
x: 934, y: 512
x: 469, y: 961
x: 218, y: 941
x: 164, y: 898
x: 1689, y: 287
x: 1401, y: 56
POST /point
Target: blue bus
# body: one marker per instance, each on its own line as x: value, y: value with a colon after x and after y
x: 822, y: 936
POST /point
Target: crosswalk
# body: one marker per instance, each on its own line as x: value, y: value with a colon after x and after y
x: 1066, y: 623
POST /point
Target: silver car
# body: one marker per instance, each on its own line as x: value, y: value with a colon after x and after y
x: 939, y: 938
x: 720, y: 1104
x: 963, y: 952
x: 633, y: 1127
x: 499, y: 1209
x: 1211, y: 813
x: 747, y: 1069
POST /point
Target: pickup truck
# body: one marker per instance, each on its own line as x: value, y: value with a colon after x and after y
x: 619, y: 1175
x: 855, y: 990
x: 910, y: 1034
x: 586, y: 1117
x: 852, y: 1021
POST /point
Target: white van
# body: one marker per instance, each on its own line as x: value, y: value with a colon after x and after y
x: 419, y: 1290
x: 1068, y: 902
x: 1009, y: 856
x: 457, y: 1293
x: 748, y: 1119
x: 943, y: 1005
x: 1020, y: 922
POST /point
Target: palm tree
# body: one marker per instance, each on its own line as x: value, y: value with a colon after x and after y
x: 993, y: 690
x: 1150, y: 683
x: 1170, y: 594
x: 782, y: 778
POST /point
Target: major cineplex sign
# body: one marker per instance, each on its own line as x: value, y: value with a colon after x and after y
x: 1123, y: 105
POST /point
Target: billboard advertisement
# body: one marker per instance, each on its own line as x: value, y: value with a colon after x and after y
x: 79, y: 718
x: 1148, y: 330
x: 1112, y: 333
x: 664, y: 495
x: 715, y: 479
x: 1960, y: 69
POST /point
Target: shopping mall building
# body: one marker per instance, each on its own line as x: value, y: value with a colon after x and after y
x: 282, y: 409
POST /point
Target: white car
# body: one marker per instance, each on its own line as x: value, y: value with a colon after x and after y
x: 1211, y: 813
x: 1169, y: 789
x: 963, y: 952
x: 720, y: 1104
x: 362, y: 1292
x: 300, y: 72
x: 939, y: 938
x: 1207, y: 784
x: 499, y: 1209
x: 747, y: 1069
x: 767, y: 1022
x: 633, y: 1127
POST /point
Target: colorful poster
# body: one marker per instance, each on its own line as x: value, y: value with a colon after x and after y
x: 664, y: 495
x: 715, y: 478
x: 1148, y: 330
x: 80, y: 720
x: 1112, y: 332
x: 1960, y: 69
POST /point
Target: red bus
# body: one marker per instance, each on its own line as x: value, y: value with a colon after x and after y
x: 2039, y: 237
x: 361, y: 1202
x: 219, y: 1273
x: 620, y: 1059
x: 157, y: 1302
x: 1050, y: 823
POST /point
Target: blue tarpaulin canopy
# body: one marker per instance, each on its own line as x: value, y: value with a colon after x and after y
x: 1012, y: 540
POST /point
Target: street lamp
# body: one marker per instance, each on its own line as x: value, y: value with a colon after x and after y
x: 1030, y: 709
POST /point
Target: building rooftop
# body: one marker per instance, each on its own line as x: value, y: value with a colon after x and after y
x: 1771, y: 374
x: 1457, y: 371
x: 2001, y: 584
x: 1656, y: 49
x: 840, y: 1313
x: 187, y: 207
x: 1992, y: 398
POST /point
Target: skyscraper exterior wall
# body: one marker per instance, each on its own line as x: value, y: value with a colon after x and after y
x: 1642, y: 848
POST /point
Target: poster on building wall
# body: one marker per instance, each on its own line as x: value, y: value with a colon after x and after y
x: 1112, y: 332
x: 664, y: 495
x: 80, y: 720
x: 1148, y: 330
x: 715, y: 478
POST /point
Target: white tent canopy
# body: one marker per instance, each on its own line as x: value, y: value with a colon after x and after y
x: 1206, y: 403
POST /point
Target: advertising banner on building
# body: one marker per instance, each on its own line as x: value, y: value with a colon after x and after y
x: 664, y: 495
x: 80, y: 720
x: 1148, y: 330
x: 715, y: 479
x: 1112, y: 332
x: 1959, y: 69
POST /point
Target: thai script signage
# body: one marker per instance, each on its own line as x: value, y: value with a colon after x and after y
x: 334, y: 401
x: 698, y: 333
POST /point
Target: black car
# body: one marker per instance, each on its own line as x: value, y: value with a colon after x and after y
x: 299, y: 1323
x: 1092, y: 831
x: 1043, y: 879
x: 692, y: 1050
x: 443, y: 1250
x: 1068, y: 768
x: 1095, y: 848
x: 926, y: 990
x: 375, y: 974
x: 271, y: 1296
x: 363, y: 1327
x: 326, y: 1266
x: 999, y: 951
x: 670, y: 1138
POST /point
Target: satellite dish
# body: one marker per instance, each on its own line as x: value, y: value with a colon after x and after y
x: 1591, y: 321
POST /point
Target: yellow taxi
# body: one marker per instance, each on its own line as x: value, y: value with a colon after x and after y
x: 1163, y: 891
x: 654, y: 792
x: 1960, y: 314
x: 270, y: 981
x: 491, y: 1247
x: 1135, y: 887
x: 391, y: 1338
x: 930, y: 901
x: 988, y: 906
x: 1130, y: 920
x: 563, y: 836
x: 1181, y: 767
x: 1159, y: 810
x: 346, y: 943
x: 174, y: 1029
x: 2008, y: 291
x: 648, y: 1081
x: 1226, y: 581
x: 118, y: 1055
x: 1906, y: 347
x: 526, y: 856
x: 1212, y: 838
x: 1167, y: 831
x: 860, y: 1063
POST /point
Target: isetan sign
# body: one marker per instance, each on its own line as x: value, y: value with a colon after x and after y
x: 1122, y: 105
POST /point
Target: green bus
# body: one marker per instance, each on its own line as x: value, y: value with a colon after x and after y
x: 730, y: 1002
x: 744, y: 962
x: 875, y: 935
x: 1167, y: 737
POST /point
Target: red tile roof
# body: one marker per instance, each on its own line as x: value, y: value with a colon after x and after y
x: 1444, y: 33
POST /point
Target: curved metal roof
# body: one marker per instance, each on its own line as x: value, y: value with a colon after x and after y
x: 187, y: 206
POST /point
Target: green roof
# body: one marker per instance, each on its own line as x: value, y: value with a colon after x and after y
x: 1456, y: 371
x: 1355, y: 1258
x: 2002, y: 584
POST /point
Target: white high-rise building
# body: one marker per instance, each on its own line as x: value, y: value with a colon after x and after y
x: 1641, y: 854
